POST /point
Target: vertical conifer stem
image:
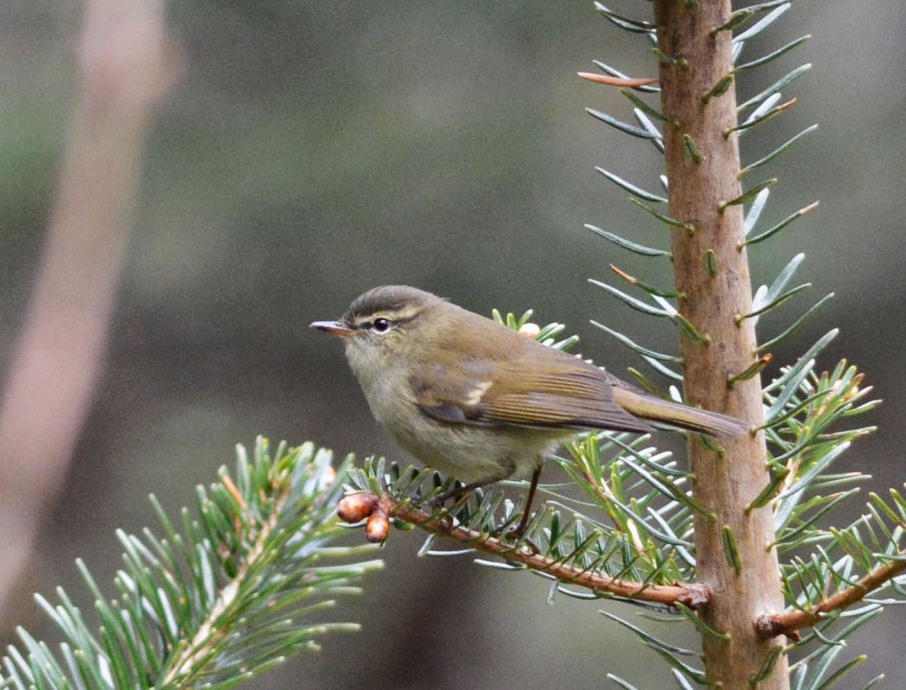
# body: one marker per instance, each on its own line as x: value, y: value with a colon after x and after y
x: 714, y: 276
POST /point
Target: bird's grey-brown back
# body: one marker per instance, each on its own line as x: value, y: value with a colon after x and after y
x: 436, y: 319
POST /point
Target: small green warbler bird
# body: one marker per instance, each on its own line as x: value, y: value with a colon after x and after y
x: 477, y: 400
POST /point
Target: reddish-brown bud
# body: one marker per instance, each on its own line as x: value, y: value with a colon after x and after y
x: 356, y: 507
x: 378, y: 527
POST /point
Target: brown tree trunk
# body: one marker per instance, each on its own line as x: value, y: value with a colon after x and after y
x: 713, y: 274
x: 125, y: 66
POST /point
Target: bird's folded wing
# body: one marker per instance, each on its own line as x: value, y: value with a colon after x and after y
x: 568, y: 395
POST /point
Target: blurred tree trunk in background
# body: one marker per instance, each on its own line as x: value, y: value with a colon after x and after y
x: 125, y: 66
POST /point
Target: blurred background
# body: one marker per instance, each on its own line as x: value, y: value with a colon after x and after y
x: 311, y: 150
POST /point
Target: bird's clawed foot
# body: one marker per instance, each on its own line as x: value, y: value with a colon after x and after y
x: 464, y: 492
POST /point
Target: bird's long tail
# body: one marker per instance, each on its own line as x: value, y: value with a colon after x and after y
x: 655, y: 409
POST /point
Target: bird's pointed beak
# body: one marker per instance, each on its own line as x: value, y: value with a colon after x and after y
x: 333, y: 327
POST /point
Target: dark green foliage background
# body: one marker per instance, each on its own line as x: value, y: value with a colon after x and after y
x: 314, y: 149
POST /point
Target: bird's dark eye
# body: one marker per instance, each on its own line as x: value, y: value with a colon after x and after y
x: 381, y: 325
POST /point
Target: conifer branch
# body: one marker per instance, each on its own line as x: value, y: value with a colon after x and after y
x: 693, y: 595
x: 232, y: 593
x: 787, y: 623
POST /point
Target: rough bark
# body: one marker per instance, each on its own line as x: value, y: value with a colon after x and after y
x: 713, y: 274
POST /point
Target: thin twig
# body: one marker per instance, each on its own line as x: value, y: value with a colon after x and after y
x: 773, y: 624
x: 693, y: 595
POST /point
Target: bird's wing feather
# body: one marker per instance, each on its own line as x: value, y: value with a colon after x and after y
x: 567, y: 394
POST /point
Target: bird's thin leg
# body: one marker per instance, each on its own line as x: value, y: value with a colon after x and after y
x: 527, y: 511
x: 466, y: 490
